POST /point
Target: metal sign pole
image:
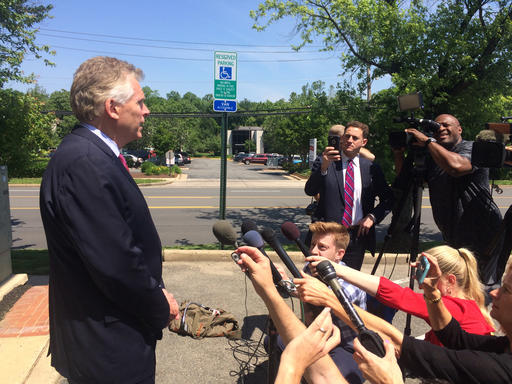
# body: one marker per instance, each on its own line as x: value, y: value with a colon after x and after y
x: 223, y: 159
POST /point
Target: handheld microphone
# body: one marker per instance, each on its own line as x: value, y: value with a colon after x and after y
x: 270, y: 237
x: 254, y: 239
x: 225, y: 233
x: 292, y: 233
x: 248, y: 225
x: 370, y: 339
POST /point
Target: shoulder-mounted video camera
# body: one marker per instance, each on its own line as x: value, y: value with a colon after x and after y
x: 489, y: 149
x: 411, y: 102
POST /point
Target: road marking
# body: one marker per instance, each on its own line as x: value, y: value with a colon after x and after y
x: 401, y: 281
x: 191, y: 207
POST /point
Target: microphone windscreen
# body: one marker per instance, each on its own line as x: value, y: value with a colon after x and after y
x: 224, y: 232
x: 253, y: 238
x: 290, y: 231
x: 248, y: 225
x: 268, y: 235
x: 488, y: 135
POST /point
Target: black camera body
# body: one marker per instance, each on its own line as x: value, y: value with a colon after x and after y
x: 409, y: 102
x: 489, y: 149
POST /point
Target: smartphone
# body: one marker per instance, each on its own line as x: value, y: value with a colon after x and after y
x: 333, y: 141
x: 422, y: 269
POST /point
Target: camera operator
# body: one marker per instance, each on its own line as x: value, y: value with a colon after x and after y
x: 462, y: 205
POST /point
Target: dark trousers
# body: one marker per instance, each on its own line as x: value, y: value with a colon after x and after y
x: 354, y: 254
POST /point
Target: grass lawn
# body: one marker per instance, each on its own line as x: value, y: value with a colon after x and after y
x: 30, y: 261
x: 37, y: 180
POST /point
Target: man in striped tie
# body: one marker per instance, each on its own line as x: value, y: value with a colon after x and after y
x: 349, y: 185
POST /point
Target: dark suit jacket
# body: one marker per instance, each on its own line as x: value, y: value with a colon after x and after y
x: 107, y: 308
x: 332, y: 188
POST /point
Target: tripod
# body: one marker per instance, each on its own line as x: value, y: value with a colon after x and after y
x: 414, y: 188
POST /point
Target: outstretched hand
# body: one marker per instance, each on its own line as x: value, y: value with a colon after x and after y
x: 315, y: 342
x: 434, y: 273
x: 257, y: 267
x: 375, y: 369
x: 314, y: 261
x: 312, y: 290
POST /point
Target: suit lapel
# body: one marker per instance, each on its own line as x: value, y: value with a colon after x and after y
x: 84, y: 132
x: 338, y: 173
x: 365, y: 178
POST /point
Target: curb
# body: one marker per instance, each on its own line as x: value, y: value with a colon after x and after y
x: 180, y: 255
x: 12, y: 282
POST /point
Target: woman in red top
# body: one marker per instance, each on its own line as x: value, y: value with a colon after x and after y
x: 459, y: 285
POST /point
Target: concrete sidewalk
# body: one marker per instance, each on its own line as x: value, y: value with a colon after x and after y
x: 24, y: 331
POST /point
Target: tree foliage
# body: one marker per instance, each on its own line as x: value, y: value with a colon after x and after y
x: 454, y: 51
x: 25, y: 133
x: 18, y: 19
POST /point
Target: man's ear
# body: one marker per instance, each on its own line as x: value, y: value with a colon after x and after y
x: 111, y: 108
x: 339, y: 255
x: 364, y: 142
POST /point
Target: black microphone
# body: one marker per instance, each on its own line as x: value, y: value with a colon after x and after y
x: 254, y: 239
x: 248, y: 225
x: 370, y: 339
x: 270, y: 237
x: 225, y: 233
x: 292, y: 233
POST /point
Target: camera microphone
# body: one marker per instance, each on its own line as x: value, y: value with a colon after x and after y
x: 270, y: 237
x: 370, y: 339
x: 292, y: 233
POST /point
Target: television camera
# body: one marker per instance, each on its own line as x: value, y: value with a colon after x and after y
x: 489, y: 149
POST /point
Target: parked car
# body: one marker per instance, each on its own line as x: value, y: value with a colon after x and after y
x: 186, y: 157
x: 258, y: 158
x: 241, y: 156
x: 132, y: 160
x: 178, y: 159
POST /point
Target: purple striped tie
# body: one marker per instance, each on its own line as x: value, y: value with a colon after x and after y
x: 349, y: 194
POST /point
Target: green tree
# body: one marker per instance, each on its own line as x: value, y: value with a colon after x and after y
x: 59, y: 101
x: 25, y: 133
x: 18, y: 19
x: 456, y: 52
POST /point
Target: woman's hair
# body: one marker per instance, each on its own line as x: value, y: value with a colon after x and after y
x: 462, y: 264
x: 97, y: 80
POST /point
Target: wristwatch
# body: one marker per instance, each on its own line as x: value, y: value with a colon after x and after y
x: 430, y: 140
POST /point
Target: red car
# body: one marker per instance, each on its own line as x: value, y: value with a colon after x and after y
x: 259, y: 158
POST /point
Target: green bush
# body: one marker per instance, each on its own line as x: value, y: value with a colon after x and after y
x: 34, y: 168
x: 175, y: 170
x: 147, y: 167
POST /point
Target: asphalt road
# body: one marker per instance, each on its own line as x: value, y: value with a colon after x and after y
x: 183, y: 360
x: 185, y: 210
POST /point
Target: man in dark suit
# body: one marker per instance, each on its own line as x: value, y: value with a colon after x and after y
x: 108, y: 304
x: 328, y: 178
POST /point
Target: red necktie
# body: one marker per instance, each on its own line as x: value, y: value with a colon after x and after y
x: 123, y: 160
x: 349, y: 194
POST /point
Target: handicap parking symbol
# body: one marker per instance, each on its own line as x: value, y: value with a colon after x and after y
x: 225, y: 73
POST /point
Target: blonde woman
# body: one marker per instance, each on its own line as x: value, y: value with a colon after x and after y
x: 459, y: 286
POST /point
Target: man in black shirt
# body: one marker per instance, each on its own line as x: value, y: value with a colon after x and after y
x: 462, y: 205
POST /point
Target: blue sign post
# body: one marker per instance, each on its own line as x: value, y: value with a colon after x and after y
x: 224, y: 81
x: 224, y: 105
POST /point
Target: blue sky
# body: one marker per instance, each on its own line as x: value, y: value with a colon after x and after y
x: 173, y: 43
